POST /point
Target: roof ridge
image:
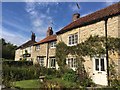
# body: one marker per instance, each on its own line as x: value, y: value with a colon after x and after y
x: 89, y: 16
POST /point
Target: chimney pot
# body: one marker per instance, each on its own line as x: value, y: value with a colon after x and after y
x: 33, y: 36
x: 49, y: 31
x: 75, y: 16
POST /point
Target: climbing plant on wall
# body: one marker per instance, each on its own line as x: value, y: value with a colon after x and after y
x: 92, y: 46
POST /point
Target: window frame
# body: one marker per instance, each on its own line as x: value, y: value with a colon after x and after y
x: 40, y: 60
x: 52, y: 44
x: 73, y: 39
x: 71, y: 62
x: 100, y: 65
x: 52, y: 62
x: 36, y: 48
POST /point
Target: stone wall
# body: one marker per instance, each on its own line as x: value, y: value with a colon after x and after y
x: 98, y: 28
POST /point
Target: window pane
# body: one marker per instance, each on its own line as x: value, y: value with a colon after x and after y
x: 69, y: 63
x: 69, y: 40
x: 72, y: 62
x: 75, y: 63
x: 97, y: 64
x: 52, y: 62
x: 54, y: 44
x: 102, y: 65
x: 76, y: 38
x: 72, y: 39
x: 40, y: 60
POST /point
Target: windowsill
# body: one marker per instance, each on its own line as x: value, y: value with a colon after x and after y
x: 72, y: 45
x: 52, y: 67
x: 52, y: 47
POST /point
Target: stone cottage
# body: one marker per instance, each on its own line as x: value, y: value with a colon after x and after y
x: 102, y: 22
x: 25, y: 50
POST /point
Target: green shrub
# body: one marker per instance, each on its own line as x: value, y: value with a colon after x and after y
x: 17, y: 63
x: 70, y: 76
x: 12, y: 73
x: 47, y: 71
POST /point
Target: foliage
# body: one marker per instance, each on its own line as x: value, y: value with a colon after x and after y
x: 8, y: 49
x: 114, y: 76
x: 59, y: 83
x: 17, y: 63
x: 61, y: 54
x: 13, y: 73
x: 92, y: 46
x: 70, y: 75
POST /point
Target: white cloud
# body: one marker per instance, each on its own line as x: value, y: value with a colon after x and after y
x: 48, y: 11
x: 17, y: 26
x: 74, y: 7
x: 109, y: 2
x: 39, y: 20
x: 12, y: 37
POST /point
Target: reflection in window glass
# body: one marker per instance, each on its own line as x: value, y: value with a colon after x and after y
x: 97, y: 64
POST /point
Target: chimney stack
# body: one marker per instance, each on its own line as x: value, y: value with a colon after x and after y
x: 33, y: 36
x: 49, y: 31
x: 75, y: 16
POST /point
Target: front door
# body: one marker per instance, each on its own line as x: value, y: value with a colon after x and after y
x: 100, y: 71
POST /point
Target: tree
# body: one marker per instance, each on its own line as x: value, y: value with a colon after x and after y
x: 8, y: 49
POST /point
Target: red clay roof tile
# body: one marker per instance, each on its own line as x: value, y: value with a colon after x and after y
x: 27, y: 44
x: 92, y: 18
x: 47, y: 39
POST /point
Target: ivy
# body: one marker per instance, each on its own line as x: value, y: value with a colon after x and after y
x: 92, y: 46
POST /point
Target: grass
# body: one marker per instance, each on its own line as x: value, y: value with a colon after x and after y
x: 27, y: 84
x: 36, y: 83
x: 63, y: 83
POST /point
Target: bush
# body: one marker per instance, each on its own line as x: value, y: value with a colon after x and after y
x: 70, y: 76
x: 47, y: 71
x: 18, y: 63
x: 12, y: 73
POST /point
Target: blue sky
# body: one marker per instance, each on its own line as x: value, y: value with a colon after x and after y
x: 20, y: 18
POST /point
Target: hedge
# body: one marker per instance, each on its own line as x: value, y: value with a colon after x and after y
x: 17, y: 63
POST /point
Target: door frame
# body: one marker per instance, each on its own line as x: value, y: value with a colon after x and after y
x: 96, y: 73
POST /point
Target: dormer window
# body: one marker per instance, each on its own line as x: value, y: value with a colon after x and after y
x: 73, y: 39
x: 53, y: 44
x: 37, y: 47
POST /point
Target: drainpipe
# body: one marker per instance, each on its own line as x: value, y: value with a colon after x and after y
x: 106, y: 35
x: 47, y: 55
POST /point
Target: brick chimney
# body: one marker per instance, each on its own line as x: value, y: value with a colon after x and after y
x: 75, y: 16
x: 49, y: 31
x: 33, y: 36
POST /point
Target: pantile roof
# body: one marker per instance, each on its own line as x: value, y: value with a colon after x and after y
x: 109, y: 11
x: 27, y: 44
x: 47, y: 39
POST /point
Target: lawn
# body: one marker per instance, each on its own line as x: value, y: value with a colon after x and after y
x: 36, y: 83
x: 27, y: 84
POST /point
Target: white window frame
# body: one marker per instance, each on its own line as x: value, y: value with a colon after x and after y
x: 52, y: 44
x: 72, y: 39
x: 52, y: 62
x: 40, y: 60
x: 99, y: 66
x: 37, y: 47
x: 71, y: 62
